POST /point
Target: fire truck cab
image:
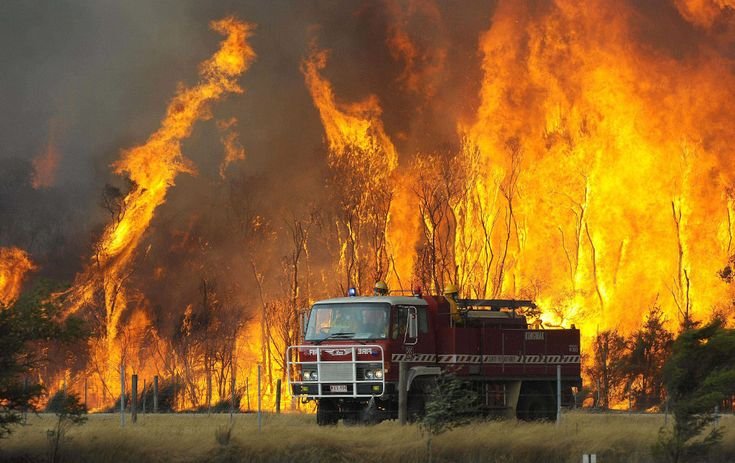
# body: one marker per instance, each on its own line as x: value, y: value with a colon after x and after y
x: 352, y: 348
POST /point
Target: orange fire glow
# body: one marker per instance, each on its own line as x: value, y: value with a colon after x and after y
x: 233, y: 149
x: 45, y: 165
x: 603, y: 163
x: 14, y: 265
x: 592, y: 173
x: 357, y: 140
x: 152, y: 168
x: 356, y: 124
x: 600, y: 167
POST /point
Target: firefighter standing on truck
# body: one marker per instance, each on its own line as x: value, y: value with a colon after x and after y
x: 452, y: 294
x: 381, y: 289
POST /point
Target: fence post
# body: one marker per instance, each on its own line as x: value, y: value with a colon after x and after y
x: 209, y: 393
x: 402, y: 392
x: 134, y: 399
x: 247, y: 390
x: 25, y: 407
x: 122, y: 394
x: 558, y: 394
x: 232, y: 396
x: 278, y: 396
x: 155, y: 394
x: 260, y: 417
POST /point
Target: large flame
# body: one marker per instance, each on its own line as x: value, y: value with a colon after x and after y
x: 152, y: 168
x: 357, y: 139
x: 598, y: 166
x: 610, y: 153
x: 14, y: 265
x: 356, y: 124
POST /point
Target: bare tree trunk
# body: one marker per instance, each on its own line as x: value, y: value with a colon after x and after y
x: 682, y: 282
x: 594, y: 268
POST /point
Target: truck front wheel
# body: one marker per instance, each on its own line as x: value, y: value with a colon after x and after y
x: 327, y: 413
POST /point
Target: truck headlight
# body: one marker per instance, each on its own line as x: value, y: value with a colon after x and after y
x: 373, y: 373
x: 310, y: 375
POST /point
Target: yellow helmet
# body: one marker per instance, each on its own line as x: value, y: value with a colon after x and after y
x: 451, y: 289
x: 381, y: 288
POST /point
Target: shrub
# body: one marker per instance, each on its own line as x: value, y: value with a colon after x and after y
x: 223, y: 434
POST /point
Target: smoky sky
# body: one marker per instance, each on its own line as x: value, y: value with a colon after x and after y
x: 93, y: 78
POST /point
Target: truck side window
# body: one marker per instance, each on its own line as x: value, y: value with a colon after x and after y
x: 423, y: 320
x: 399, y: 322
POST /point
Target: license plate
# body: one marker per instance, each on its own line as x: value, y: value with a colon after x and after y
x: 337, y: 388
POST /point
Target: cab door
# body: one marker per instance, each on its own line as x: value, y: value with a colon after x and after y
x: 418, y: 347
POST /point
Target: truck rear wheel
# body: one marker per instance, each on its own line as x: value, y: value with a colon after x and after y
x: 416, y: 400
x: 536, y: 402
x: 327, y: 413
x: 416, y: 408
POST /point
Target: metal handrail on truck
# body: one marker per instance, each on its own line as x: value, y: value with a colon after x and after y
x: 320, y: 364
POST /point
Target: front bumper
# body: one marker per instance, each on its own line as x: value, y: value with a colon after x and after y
x: 337, y: 377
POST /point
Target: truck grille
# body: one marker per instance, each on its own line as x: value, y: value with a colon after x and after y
x: 337, y: 372
x: 336, y: 378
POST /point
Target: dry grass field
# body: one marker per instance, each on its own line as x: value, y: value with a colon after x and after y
x: 294, y: 437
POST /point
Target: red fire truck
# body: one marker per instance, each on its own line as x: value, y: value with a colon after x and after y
x: 349, y: 360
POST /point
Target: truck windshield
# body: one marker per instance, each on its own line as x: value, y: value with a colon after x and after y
x: 348, y: 321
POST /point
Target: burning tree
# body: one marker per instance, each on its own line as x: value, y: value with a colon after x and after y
x: 360, y: 181
x: 29, y: 327
x: 648, y: 349
x: 606, y: 370
x: 442, y: 186
x: 281, y: 320
x: 14, y: 265
x: 630, y: 369
x: 361, y: 160
x: 151, y: 169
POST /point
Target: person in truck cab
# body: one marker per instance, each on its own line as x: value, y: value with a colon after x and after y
x: 344, y: 323
x: 374, y: 323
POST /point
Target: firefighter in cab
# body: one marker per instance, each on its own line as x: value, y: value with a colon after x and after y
x: 381, y: 289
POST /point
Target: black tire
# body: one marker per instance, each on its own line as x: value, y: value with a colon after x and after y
x: 418, y: 396
x: 536, y: 402
x: 327, y: 413
x: 415, y: 405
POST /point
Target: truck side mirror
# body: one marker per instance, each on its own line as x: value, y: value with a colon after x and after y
x: 303, y: 321
x: 412, y: 327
